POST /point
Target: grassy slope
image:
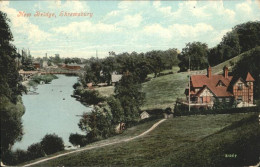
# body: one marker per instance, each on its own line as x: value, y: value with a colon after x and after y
x: 130, y: 132
x: 158, y: 148
x: 162, y: 92
x: 219, y: 68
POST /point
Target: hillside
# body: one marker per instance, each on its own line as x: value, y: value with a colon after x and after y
x: 161, y: 92
x: 206, y: 138
x: 231, y: 62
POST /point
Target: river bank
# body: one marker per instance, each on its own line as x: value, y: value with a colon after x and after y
x: 52, y: 110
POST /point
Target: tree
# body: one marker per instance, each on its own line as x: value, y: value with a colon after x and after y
x: 11, y: 123
x: 51, y: 143
x: 97, y: 124
x: 197, y: 52
x: 9, y: 77
x: 128, y: 91
x: 116, y: 109
x: 90, y: 97
x: 248, y: 34
x: 35, y: 151
x: 11, y: 107
x: 78, y: 139
x: 155, y: 61
x: 243, y: 37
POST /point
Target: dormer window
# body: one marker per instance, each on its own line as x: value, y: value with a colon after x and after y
x: 220, y: 83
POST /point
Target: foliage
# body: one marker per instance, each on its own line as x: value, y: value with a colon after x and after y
x: 250, y: 62
x: 35, y: 151
x: 128, y: 91
x: 88, y: 96
x: 197, y: 52
x: 116, y: 110
x: 182, y: 110
x: 243, y: 37
x: 139, y: 64
x: 9, y: 77
x: 77, y: 139
x: 27, y: 61
x: 97, y: 124
x: 77, y: 84
x: 51, y: 143
x: 176, y: 141
x: 45, y: 78
x: 11, y: 123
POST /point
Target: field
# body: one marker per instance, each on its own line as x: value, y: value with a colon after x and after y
x: 174, y: 142
x: 162, y: 92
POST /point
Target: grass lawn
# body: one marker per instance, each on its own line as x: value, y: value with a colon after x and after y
x: 106, y: 90
x: 163, y: 91
x: 130, y: 132
x: 171, y: 141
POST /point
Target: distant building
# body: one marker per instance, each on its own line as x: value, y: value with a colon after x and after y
x: 115, y: 78
x: 36, y: 65
x: 206, y: 89
x: 74, y: 66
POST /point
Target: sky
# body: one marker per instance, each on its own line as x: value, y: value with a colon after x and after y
x: 122, y: 26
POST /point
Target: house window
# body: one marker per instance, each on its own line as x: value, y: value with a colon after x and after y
x: 220, y: 99
x: 239, y: 98
x: 227, y: 99
x: 240, y: 86
x: 201, y: 99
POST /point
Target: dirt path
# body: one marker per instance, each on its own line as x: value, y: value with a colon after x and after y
x: 98, y: 146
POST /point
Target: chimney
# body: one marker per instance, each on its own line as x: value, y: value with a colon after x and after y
x: 209, y: 72
x: 225, y: 71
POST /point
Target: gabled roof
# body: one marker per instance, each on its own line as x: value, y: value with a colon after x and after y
x: 205, y: 87
x: 198, y: 81
x: 249, y: 77
x: 220, y: 82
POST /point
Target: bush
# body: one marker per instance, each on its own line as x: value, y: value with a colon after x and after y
x: 90, y: 97
x: 35, y: 151
x: 77, y: 139
x: 77, y: 84
x: 182, y: 110
x: 51, y: 143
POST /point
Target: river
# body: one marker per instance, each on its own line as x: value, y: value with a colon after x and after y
x: 53, y: 110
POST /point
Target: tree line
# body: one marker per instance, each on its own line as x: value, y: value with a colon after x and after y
x: 138, y: 64
x: 243, y: 37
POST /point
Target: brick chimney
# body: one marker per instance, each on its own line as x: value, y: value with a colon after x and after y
x: 225, y: 72
x: 209, y: 72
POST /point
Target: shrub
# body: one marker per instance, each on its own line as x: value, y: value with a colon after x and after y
x: 51, y: 143
x: 90, y: 97
x: 182, y: 110
x: 35, y: 151
x: 78, y: 139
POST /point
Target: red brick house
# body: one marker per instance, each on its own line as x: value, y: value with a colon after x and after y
x: 206, y: 89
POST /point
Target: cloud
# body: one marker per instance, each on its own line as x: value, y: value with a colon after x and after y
x: 258, y: 3
x: 194, y: 9
x: 218, y: 35
x: 158, y: 31
x: 69, y: 5
x: 78, y: 28
x: 21, y: 26
x: 185, y: 30
x: 244, y: 7
x: 130, y: 21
